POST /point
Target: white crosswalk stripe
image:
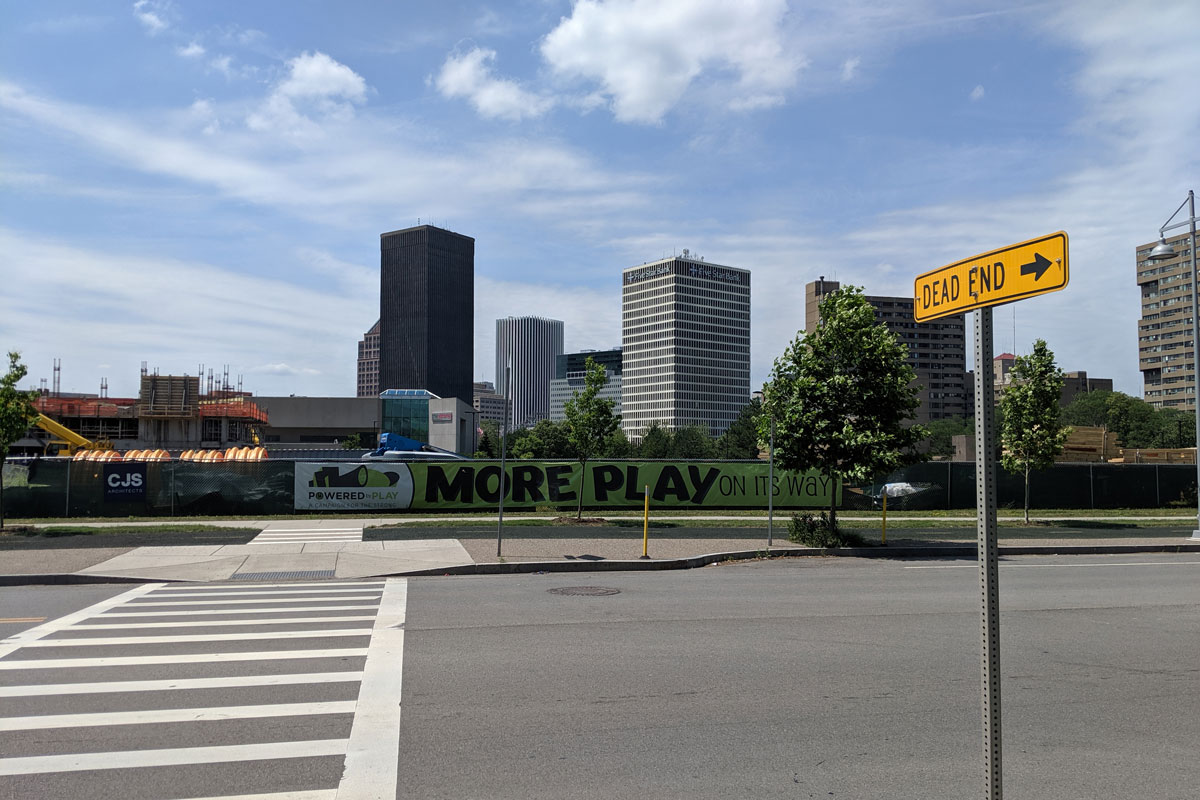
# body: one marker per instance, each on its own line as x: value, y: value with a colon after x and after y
x: 303, y: 535
x: 152, y: 624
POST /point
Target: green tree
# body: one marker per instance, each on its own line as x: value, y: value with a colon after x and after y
x: 489, y: 439
x: 546, y: 439
x: 352, y: 442
x: 17, y: 413
x: 940, y: 441
x: 692, y: 441
x: 618, y: 445
x: 740, y: 440
x: 841, y: 396
x: 1032, y: 433
x: 591, y: 420
x: 656, y: 442
x: 1089, y: 409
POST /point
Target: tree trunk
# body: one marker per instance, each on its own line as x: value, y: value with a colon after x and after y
x: 833, y: 506
x: 582, y: 481
x: 1026, y: 495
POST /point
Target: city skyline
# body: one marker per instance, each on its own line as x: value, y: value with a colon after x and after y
x: 187, y: 183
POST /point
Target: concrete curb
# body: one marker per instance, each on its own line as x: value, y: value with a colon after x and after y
x: 73, y: 578
x: 692, y: 562
x: 967, y: 552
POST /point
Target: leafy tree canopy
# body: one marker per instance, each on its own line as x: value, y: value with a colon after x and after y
x: 841, y: 396
x: 656, y: 442
x: 1032, y: 433
x: 691, y: 442
x: 590, y: 420
x: 741, y: 439
x: 17, y: 413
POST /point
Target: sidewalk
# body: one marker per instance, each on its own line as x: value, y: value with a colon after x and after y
x: 354, y: 548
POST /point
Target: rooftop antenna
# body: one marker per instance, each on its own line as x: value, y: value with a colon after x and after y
x: 57, y: 377
x: 104, y: 387
x: 144, y: 370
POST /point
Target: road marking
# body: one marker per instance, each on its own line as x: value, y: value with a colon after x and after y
x: 132, y: 759
x: 105, y: 641
x: 22, y: 619
x: 18, y: 640
x: 1004, y: 565
x: 236, y: 602
x: 202, y: 612
x: 182, y: 684
x: 310, y: 530
x: 203, y: 623
x: 187, y: 658
x: 215, y: 714
x: 305, y: 584
x: 270, y: 592
x: 315, y: 794
x: 373, y: 749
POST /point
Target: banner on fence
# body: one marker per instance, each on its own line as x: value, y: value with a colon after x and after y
x: 614, y: 484
x: 124, y: 483
x: 349, y: 486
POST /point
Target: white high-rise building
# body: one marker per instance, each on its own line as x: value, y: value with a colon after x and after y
x: 685, y: 333
x: 529, y: 345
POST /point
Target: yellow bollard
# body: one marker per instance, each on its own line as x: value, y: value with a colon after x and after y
x: 646, y: 524
x: 885, y: 514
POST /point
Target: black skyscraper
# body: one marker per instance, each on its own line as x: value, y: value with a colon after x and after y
x: 427, y: 311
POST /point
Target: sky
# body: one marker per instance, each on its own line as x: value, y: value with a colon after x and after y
x: 187, y: 183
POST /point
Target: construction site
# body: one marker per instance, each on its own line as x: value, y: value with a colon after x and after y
x: 172, y: 415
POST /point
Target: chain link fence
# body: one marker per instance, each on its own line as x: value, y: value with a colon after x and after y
x: 57, y: 488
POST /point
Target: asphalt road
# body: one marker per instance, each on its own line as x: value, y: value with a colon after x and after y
x: 791, y: 679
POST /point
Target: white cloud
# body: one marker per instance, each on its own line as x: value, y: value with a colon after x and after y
x: 646, y: 54
x: 149, y: 14
x: 286, y: 370
x: 976, y: 94
x: 126, y: 301
x: 469, y: 75
x: 192, y: 50
x: 316, y: 86
x: 850, y: 68
x: 348, y: 168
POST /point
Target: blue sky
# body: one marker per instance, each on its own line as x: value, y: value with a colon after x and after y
x: 190, y: 183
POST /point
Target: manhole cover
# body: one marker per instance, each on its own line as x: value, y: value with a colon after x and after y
x: 585, y: 591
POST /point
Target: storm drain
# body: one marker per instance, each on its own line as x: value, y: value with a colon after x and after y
x: 291, y: 575
x: 585, y: 591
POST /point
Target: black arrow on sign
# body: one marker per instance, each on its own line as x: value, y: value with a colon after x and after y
x: 1038, y: 266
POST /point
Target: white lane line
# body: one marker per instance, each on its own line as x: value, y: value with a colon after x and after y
x: 23, y: 638
x: 305, y: 584
x: 236, y: 602
x: 185, y: 658
x: 226, y: 611
x: 164, y: 715
x: 373, y: 750
x: 104, y: 641
x: 313, y: 794
x: 308, y: 530
x: 177, y: 756
x: 182, y: 684
x: 1062, y: 566
x: 271, y: 592
x: 203, y: 623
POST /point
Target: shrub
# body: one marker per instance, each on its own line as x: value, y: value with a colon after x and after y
x: 813, y: 531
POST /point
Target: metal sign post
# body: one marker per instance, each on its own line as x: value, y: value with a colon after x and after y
x: 985, y: 509
x: 503, y: 437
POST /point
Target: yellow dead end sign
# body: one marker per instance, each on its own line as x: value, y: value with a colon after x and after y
x: 999, y: 276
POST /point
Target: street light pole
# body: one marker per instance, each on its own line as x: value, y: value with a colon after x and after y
x: 1161, y: 252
